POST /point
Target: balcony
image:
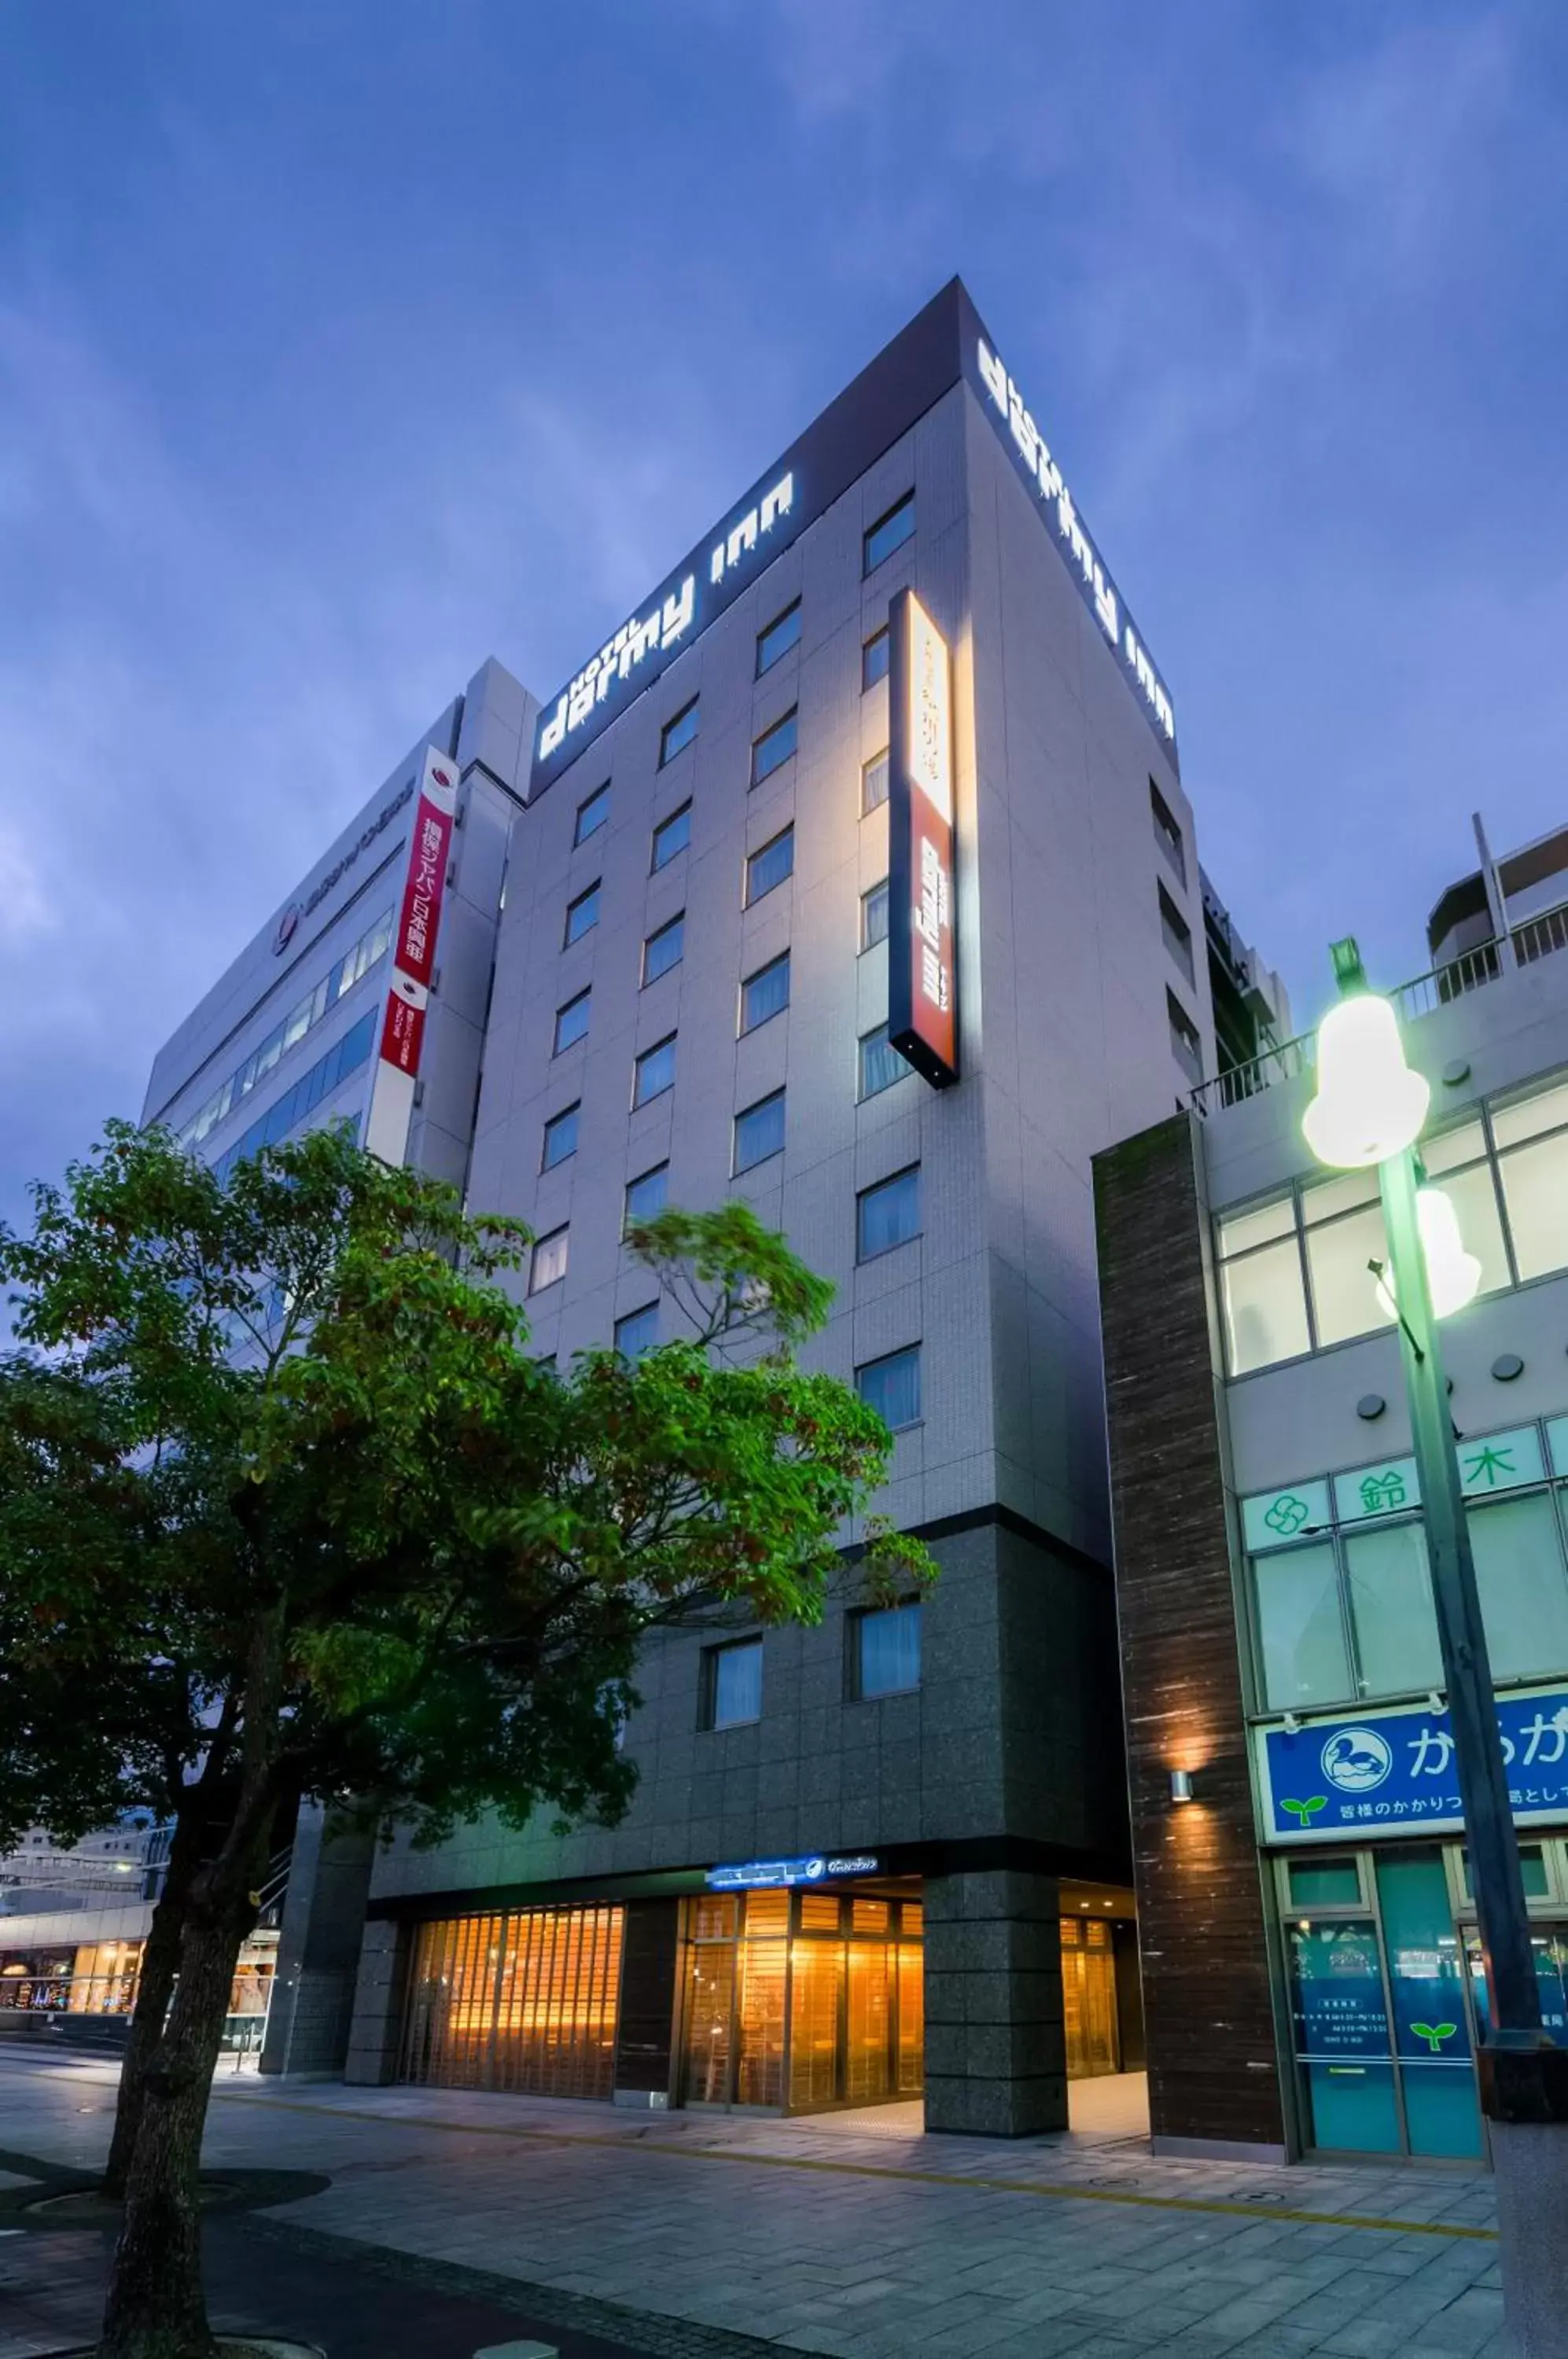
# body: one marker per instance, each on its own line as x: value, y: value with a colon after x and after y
x: 1535, y: 939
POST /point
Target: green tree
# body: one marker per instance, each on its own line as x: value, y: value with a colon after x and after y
x: 289, y: 1511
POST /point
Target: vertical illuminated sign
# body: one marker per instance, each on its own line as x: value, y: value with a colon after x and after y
x: 922, y: 976
x: 413, y: 960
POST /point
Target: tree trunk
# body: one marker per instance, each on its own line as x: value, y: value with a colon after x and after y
x: 161, y: 1960
x: 156, y: 2306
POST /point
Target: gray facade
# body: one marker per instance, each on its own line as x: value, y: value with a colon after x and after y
x: 1307, y: 1632
x: 1001, y: 1773
x: 288, y: 1038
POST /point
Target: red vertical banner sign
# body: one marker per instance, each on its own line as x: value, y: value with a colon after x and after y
x: 419, y: 919
x: 922, y: 967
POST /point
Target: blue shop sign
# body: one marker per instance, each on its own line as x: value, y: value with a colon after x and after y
x: 813, y: 1867
x: 1387, y: 1773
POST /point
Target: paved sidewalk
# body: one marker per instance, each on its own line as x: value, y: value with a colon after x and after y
x: 833, y: 2236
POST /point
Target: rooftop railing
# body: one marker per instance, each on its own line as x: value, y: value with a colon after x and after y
x: 1535, y: 939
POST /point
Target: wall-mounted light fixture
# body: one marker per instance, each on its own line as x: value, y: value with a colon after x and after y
x: 1181, y: 1785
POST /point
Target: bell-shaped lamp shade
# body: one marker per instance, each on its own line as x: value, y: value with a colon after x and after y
x: 1369, y: 1104
x: 1453, y: 1276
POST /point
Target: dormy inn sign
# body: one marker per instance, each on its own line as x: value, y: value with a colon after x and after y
x: 945, y: 345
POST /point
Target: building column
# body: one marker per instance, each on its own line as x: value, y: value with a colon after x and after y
x: 996, y: 2055
x: 378, y: 2004
x: 319, y: 1943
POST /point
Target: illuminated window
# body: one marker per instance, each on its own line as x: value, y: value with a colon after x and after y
x: 782, y: 634
x: 548, y: 1263
x: 672, y: 835
x: 655, y: 1072
x: 591, y: 815
x: 874, y: 783
x: 875, y: 658
x: 571, y: 1022
x: 889, y: 532
x: 664, y: 950
x: 885, y: 1651
x: 765, y: 994
x: 891, y: 1386
x: 888, y: 1214
x: 773, y: 748
x: 581, y: 915
x: 678, y: 734
x: 732, y: 1684
x: 771, y: 866
x: 880, y: 1064
x: 759, y: 1132
x: 874, y: 916
x: 638, y: 1333
x: 560, y: 1137
x: 647, y: 1196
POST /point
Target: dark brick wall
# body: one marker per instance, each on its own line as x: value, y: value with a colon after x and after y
x: 1212, y: 2055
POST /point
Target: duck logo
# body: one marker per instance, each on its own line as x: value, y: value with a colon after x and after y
x: 1356, y: 1760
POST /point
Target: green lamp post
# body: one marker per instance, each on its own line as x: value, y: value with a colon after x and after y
x: 1369, y: 1111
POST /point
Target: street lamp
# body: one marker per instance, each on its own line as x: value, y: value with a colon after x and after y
x: 1368, y: 1110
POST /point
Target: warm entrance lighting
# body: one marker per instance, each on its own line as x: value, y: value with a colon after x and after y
x: 1369, y: 1104
x: 1453, y: 1276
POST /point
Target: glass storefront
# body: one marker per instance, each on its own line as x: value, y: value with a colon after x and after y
x: 525, y: 2000
x: 803, y: 2000
x: 1387, y: 1996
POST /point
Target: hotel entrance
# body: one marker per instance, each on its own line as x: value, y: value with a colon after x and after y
x: 803, y: 2002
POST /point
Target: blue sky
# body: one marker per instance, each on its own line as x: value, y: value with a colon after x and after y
x: 342, y: 345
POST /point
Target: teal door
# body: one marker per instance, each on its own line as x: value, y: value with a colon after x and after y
x: 1342, y: 2049
x: 1426, y: 1979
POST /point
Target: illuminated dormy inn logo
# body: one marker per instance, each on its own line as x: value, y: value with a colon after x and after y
x: 1080, y: 551
x: 667, y: 620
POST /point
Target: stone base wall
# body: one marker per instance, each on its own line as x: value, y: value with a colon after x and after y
x: 995, y: 2051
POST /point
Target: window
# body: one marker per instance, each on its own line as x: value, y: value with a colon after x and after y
x: 885, y: 1651
x: 560, y: 1137
x: 891, y: 1386
x: 1457, y: 1161
x: 1533, y: 1161
x: 549, y: 1262
x: 1185, y: 1044
x: 874, y: 783
x: 732, y: 1682
x: 1178, y: 934
x: 771, y: 866
x: 1301, y: 1629
x: 880, y: 1064
x: 1344, y: 1225
x: 671, y: 836
x: 774, y: 747
x: 875, y: 658
x: 889, y: 532
x: 647, y: 1196
x: 571, y: 1022
x: 664, y: 950
x: 638, y: 1333
x: 677, y: 734
x: 782, y: 634
x: 1519, y: 1571
x: 581, y: 915
x: 759, y: 1132
x: 765, y: 994
x: 654, y: 1071
x: 874, y: 916
x: 591, y: 815
x: 888, y: 1214
x: 1389, y: 1586
x: 1167, y: 831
